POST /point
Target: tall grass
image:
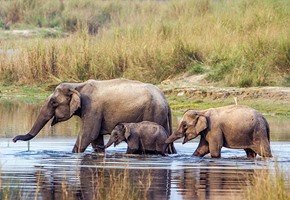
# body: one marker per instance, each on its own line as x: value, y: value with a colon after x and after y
x: 237, y: 43
x: 268, y: 186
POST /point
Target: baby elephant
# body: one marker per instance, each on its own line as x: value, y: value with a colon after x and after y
x: 236, y: 127
x: 143, y: 137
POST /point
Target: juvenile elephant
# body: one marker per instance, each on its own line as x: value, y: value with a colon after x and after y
x: 101, y: 105
x: 235, y: 126
x: 143, y: 137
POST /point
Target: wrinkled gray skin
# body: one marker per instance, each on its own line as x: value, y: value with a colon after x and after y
x: 236, y: 127
x: 143, y: 137
x: 101, y: 105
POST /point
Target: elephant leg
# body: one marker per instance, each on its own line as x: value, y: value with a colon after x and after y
x: 161, y: 148
x: 263, y: 149
x: 250, y: 153
x: 201, y: 151
x: 202, y: 148
x: 172, y: 149
x: 164, y: 148
x: 133, y: 151
x: 215, y: 147
x: 215, y: 152
x: 161, y: 153
x: 97, y: 143
x: 168, y: 127
x: 79, y: 145
x: 89, y: 132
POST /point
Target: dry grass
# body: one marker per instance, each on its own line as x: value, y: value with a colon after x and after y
x: 268, y: 185
x: 96, y: 183
x: 240, y: 43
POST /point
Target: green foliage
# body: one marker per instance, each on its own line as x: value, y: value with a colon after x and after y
x: 221, y: 69
x: 197, y: 69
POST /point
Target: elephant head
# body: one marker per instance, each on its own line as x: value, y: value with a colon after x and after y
x: 190, y: 126
x: 60, y: 106
x: 119, y: 134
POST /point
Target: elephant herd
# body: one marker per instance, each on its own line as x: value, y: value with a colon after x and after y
x: 139, y: 114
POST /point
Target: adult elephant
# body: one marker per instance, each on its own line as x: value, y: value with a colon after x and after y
x: 101, y: 105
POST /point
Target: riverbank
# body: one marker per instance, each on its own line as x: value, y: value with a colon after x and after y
x: 183, y: 93
x: 194, y: 92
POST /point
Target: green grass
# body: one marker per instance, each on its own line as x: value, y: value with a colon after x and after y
x: 234, y: 43
x: 24, y: 94
x: 38, y: 93
x: 179, y: 104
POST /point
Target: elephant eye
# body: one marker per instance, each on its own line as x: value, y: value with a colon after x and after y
x: 54, y: 103
x: 184, y: 125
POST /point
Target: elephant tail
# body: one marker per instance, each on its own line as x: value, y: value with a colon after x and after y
x: 171, y: 149
x: 267, y: 128
x: 169, y: 120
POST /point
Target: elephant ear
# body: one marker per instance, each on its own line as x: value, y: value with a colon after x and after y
x: 75, y: 101
x: 127, y: 132
x: 201, y: 124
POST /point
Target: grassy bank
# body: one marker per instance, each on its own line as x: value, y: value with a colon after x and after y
x: 235, y: 43
x: 179, y: 104
x: 37, y: 94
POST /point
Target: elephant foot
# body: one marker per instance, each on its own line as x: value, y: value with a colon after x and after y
x: 162, y: 153
x: 99, y: 149
x: 199, y: 154
x: 268, y: 155
x: 76, y: 149
x: 215, y: 155
x: 250, y: 153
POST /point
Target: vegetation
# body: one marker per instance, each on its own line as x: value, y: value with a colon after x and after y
x: 268, y: 186
x: 235, y: 43
x: 179, y: 104
x: 101, y: 184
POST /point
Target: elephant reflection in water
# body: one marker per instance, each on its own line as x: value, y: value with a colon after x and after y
x: 94, y: 182
x: 52, y: 184
x: 212, y: 183
x: 122, y: 183
x: 95, y: 179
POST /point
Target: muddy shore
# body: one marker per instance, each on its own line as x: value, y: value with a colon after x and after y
x: 196, y: 86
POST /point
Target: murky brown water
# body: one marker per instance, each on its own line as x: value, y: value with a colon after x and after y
x: 50, y: 171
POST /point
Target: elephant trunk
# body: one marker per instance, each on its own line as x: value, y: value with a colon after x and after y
x: 185, y: 140
x: 171, y: 139
x: 110, y: 142
x: 45, y: 115
x: 174, y: 136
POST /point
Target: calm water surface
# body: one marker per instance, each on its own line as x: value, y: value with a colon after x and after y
x: 49, y: 171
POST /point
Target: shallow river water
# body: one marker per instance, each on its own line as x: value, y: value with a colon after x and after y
x: 45, y: 168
